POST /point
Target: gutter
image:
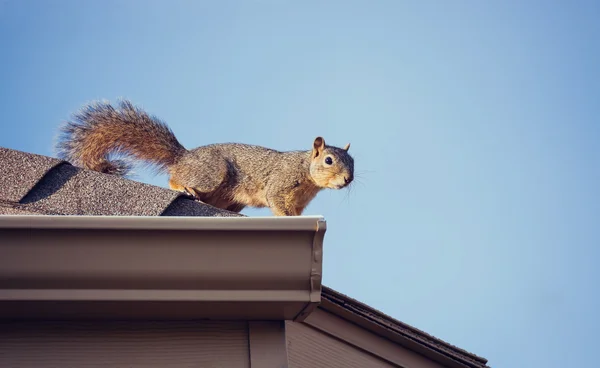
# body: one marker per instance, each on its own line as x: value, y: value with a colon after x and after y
x: 132, y: 267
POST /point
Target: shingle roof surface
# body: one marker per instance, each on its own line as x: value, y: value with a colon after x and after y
x: 20, y: 172
x: 34, y: 184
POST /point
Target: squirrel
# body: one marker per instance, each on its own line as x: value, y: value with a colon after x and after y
x: 229, y: 176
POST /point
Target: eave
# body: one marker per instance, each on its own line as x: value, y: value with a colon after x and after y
x: 374, y: 321
x: 105, y: 267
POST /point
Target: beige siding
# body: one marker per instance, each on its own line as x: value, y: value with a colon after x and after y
x: 308, y: 347
x: 124, y: 344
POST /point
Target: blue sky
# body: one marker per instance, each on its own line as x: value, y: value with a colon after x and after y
x: 474, y: 126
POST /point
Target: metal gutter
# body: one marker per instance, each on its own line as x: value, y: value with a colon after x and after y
x: 268, y: 223
x: 106, y: 267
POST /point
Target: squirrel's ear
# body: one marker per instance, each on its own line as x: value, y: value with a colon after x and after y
x: 318, y: 146
x: 347, y: 147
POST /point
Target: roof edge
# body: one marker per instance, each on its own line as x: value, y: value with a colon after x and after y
x: 382, y: 324
x: 89, y: 222
x: 216, y: 268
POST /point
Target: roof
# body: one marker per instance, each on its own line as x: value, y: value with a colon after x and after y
x: 386, y: 326
x: 35, y: 184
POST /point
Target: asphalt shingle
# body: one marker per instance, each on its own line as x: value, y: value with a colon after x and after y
x: 39, y: 184
x: 20, y: 172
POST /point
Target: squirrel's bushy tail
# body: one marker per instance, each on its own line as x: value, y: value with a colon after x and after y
x: 99, y: 130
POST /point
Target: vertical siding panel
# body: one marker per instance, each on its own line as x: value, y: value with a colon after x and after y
x: 207, y: 344
x: 267, y: 344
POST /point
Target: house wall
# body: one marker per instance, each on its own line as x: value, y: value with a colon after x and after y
x: 323, y: 340
x: 207, y: 344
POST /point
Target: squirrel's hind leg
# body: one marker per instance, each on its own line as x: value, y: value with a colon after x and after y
x: 201, y: 172
x: 180, y: 188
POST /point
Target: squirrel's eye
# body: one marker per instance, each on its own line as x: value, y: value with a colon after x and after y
x: 328, y: 160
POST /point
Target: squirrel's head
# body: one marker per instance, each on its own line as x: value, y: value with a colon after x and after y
x: 331, y: 167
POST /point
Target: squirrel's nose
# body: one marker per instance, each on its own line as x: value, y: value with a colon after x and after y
x: 346, y: 179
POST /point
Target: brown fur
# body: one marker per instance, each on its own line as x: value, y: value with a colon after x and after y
x: 228, y: 175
